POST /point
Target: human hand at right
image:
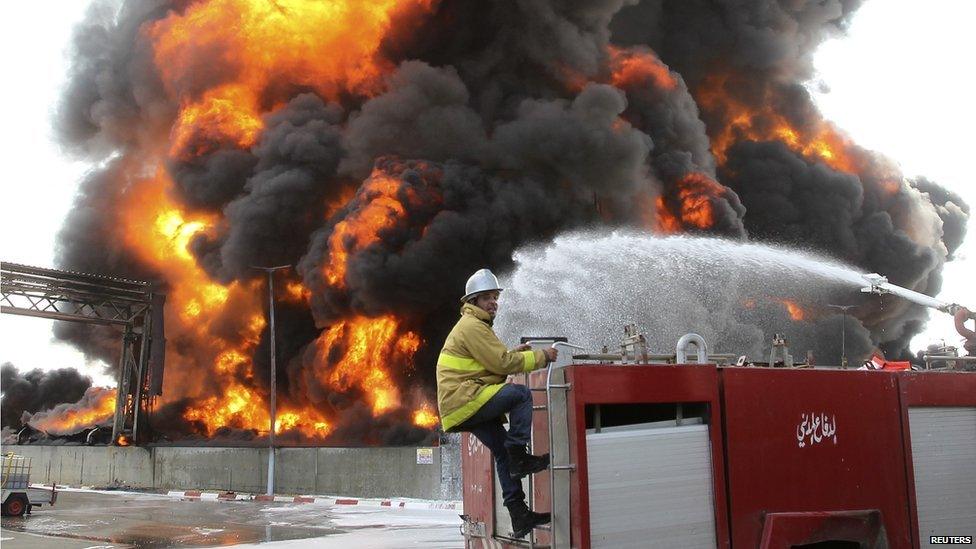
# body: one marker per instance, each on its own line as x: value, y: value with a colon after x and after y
x: 551, y: 354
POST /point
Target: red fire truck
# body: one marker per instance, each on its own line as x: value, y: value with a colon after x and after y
x: 657, y: 452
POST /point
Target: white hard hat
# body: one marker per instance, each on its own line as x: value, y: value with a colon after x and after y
x: 481, y: 281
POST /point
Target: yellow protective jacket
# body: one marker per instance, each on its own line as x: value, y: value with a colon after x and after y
x: 473, y: 365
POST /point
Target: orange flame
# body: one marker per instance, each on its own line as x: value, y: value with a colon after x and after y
x: 745, y: 123
x: 667, y: 222
x: 244, y: 408
x: 633, y: 67
x: 796, y: 313
x: 267, y: 51
x: 316, y: 427
x: 367, y: 347
x: 363, y: 227
x: 330, y: 46
x: 426, y: 417
x: 695, y: 194
x: 123, y: 441
x: 224, y: 115
x: 296, y: 291
x: 97, y: 407
x: 160, y: 233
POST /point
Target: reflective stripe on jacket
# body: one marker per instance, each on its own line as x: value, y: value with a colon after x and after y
x: 473, y: 365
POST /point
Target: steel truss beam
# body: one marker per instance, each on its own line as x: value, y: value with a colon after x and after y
x: 97, y: 299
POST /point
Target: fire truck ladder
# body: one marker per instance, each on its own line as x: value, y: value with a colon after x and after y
x: 549, y: 388
x: 102, y: 300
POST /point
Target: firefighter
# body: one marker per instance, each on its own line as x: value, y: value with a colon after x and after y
x: 472, y: 395
x: 961, y: 316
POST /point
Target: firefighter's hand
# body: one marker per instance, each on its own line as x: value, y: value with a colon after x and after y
x: 962, y: 314
x: 551, y: 354
x: 523, y: 347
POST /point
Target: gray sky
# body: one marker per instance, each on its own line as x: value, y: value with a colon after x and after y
x: 898, y: 85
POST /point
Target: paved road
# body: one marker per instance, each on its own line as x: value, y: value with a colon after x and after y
x: 23, y: 540
x: 92, y: 519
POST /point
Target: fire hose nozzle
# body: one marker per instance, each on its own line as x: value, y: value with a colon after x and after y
x: 876, y: 284
x: 954, y: 308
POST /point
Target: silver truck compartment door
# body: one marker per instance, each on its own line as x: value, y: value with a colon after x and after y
x: 651, y: 487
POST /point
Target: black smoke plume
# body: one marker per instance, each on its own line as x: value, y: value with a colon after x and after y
x: 37, y: 390
x: 495, y: 125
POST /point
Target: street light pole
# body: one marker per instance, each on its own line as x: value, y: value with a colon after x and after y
x: 271, y: 335
x: 843, y: 332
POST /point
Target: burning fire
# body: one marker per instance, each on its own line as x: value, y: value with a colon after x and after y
x: 96, y: 407
x: 356, y: 352
x: 381, y: 210
x: 160, y: 232
x: 745, y: 122
x: 265, y: 54
x: 330, y: 47
x: 296, y: 291
x: 633, y: 67
x: 694, y: 208
x: 364, y: 349
x: 796, y: 313
x: 292, y: 420
x: 426, y: 417
x: 629, y: 68
x: 224, y: 115
x: 241, y: 407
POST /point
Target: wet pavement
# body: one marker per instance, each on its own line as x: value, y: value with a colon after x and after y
x: 126, y: 519
x: 21, y: 540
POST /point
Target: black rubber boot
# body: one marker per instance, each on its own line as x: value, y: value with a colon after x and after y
x: 524, y: 520
x: 522, y: 463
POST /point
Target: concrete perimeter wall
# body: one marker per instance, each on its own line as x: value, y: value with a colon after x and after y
x: 355, y: 472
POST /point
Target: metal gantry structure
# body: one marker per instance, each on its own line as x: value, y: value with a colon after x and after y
x: 102, y: 300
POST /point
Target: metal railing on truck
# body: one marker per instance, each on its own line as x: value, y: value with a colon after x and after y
x: 550, y: 386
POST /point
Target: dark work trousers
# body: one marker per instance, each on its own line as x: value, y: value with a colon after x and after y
x: 486, y: 425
